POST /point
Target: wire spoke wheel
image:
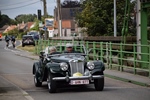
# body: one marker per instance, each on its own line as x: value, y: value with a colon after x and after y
x: 52, y: 87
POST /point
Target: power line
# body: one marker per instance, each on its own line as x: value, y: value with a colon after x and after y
x: 12, y: 4
x: 20, y: 6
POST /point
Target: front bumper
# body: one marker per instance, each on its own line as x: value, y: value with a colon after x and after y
x: 67, y: 78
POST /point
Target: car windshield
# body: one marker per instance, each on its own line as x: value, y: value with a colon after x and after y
x: 76, y: 48
x: 33, y: 33
x: 27, y: 37
x: 80, y: 56
x: 62, y: 48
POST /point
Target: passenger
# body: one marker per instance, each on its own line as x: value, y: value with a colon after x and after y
x: 70, y: 49
x: 52, y: 50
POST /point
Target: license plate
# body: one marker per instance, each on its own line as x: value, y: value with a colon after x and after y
x: 79, y: 82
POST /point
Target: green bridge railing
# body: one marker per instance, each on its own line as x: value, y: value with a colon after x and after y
x: 118, y: 56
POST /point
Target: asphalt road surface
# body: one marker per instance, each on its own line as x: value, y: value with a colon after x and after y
x: 18, y: 70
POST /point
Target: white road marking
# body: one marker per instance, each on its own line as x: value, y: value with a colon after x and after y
x: 18, y: 74
x: 10, y: 45
x: 26, y: 95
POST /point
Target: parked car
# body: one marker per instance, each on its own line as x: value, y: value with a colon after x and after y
x: 0, y: 36
x: 28, y: 40
x: 35, y: 34
x: 67, y: 69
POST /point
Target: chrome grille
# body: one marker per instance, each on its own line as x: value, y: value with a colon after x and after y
x: 76, y: 66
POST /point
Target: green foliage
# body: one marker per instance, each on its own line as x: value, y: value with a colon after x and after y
x: 98, y: 17
x: 26, y: 18
x: 5, y: 20
x: 36, y: 27
x: 18, y: 34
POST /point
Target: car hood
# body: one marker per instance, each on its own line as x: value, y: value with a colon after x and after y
x: 67, y: 58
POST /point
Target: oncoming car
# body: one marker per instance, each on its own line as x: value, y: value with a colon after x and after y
x: 35, y: 34
x: 68, y: 69
x: 28, y: 40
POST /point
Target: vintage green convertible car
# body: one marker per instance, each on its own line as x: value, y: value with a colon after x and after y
x: 68, y: 69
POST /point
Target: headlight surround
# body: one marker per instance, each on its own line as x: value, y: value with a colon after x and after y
x: 64, y: 66
x: 90, y: 65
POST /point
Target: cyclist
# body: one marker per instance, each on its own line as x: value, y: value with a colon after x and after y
x: 13, y: 40
x: 7, y: 38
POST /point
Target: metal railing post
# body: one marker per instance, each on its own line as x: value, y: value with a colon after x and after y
x: 110, y: 53
x: 94, y: 50
x: 107, y: 54
x: 135, y: 58
x: 87, y: 46
x: 121, y: 58
x: 102, y: 52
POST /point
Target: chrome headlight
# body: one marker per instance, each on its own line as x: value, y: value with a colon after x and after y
x: 48, y: 59
x: 64, y: 66
x: 90, y: 65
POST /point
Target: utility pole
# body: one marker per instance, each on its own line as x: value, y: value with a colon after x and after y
x: 115, y: 22
x: 0, y: 15
x: 59, y: 18
x: 138, y: 26
x: 45, y: 8
x: 45, y: 15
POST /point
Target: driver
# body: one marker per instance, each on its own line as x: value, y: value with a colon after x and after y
x: 69, y: 49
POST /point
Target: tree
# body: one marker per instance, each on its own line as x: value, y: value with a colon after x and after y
x: 25, y: 18
x: 97, y: 16
x: 5, y: 20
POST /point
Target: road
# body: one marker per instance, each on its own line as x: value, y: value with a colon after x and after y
x: 18, y: 70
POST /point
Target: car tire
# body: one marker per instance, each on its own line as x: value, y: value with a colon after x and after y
x: 99, y: 84
x: 52, y: 87
x: 23, y: 45
x: 36, y: 81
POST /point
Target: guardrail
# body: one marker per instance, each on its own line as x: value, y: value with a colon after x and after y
x: 119, y: 56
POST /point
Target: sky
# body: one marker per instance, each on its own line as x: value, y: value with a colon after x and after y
x: 13, y: 8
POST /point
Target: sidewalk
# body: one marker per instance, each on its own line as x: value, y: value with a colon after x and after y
x: 127, y: 77
x: 123, y: 76
x: 9, y: 91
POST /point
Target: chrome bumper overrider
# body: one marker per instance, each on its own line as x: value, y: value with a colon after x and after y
x: 78, y: 78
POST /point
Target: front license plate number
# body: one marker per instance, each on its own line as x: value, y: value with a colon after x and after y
x: 79, y: 82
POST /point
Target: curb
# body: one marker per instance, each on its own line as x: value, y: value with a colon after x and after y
x: 127, y: 80
x: 26, y: 56
x: 25, y: 94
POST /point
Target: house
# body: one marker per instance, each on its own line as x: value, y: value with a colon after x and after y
x: 67, y: 28
x: 22, y: 27
x: 3, y: 28
x: 26, y: 26
x: 30, y: 25
x: 68, y: 12
x: 9, y: 28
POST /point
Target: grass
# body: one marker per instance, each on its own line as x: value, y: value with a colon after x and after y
x: 29, y: 48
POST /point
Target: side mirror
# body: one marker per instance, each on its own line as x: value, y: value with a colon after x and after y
x: 41, y: 54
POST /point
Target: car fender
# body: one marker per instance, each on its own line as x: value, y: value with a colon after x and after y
x: 53, y: 67
x: 96, y: 72
x: 36, y: 66
x: 99, y: 66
